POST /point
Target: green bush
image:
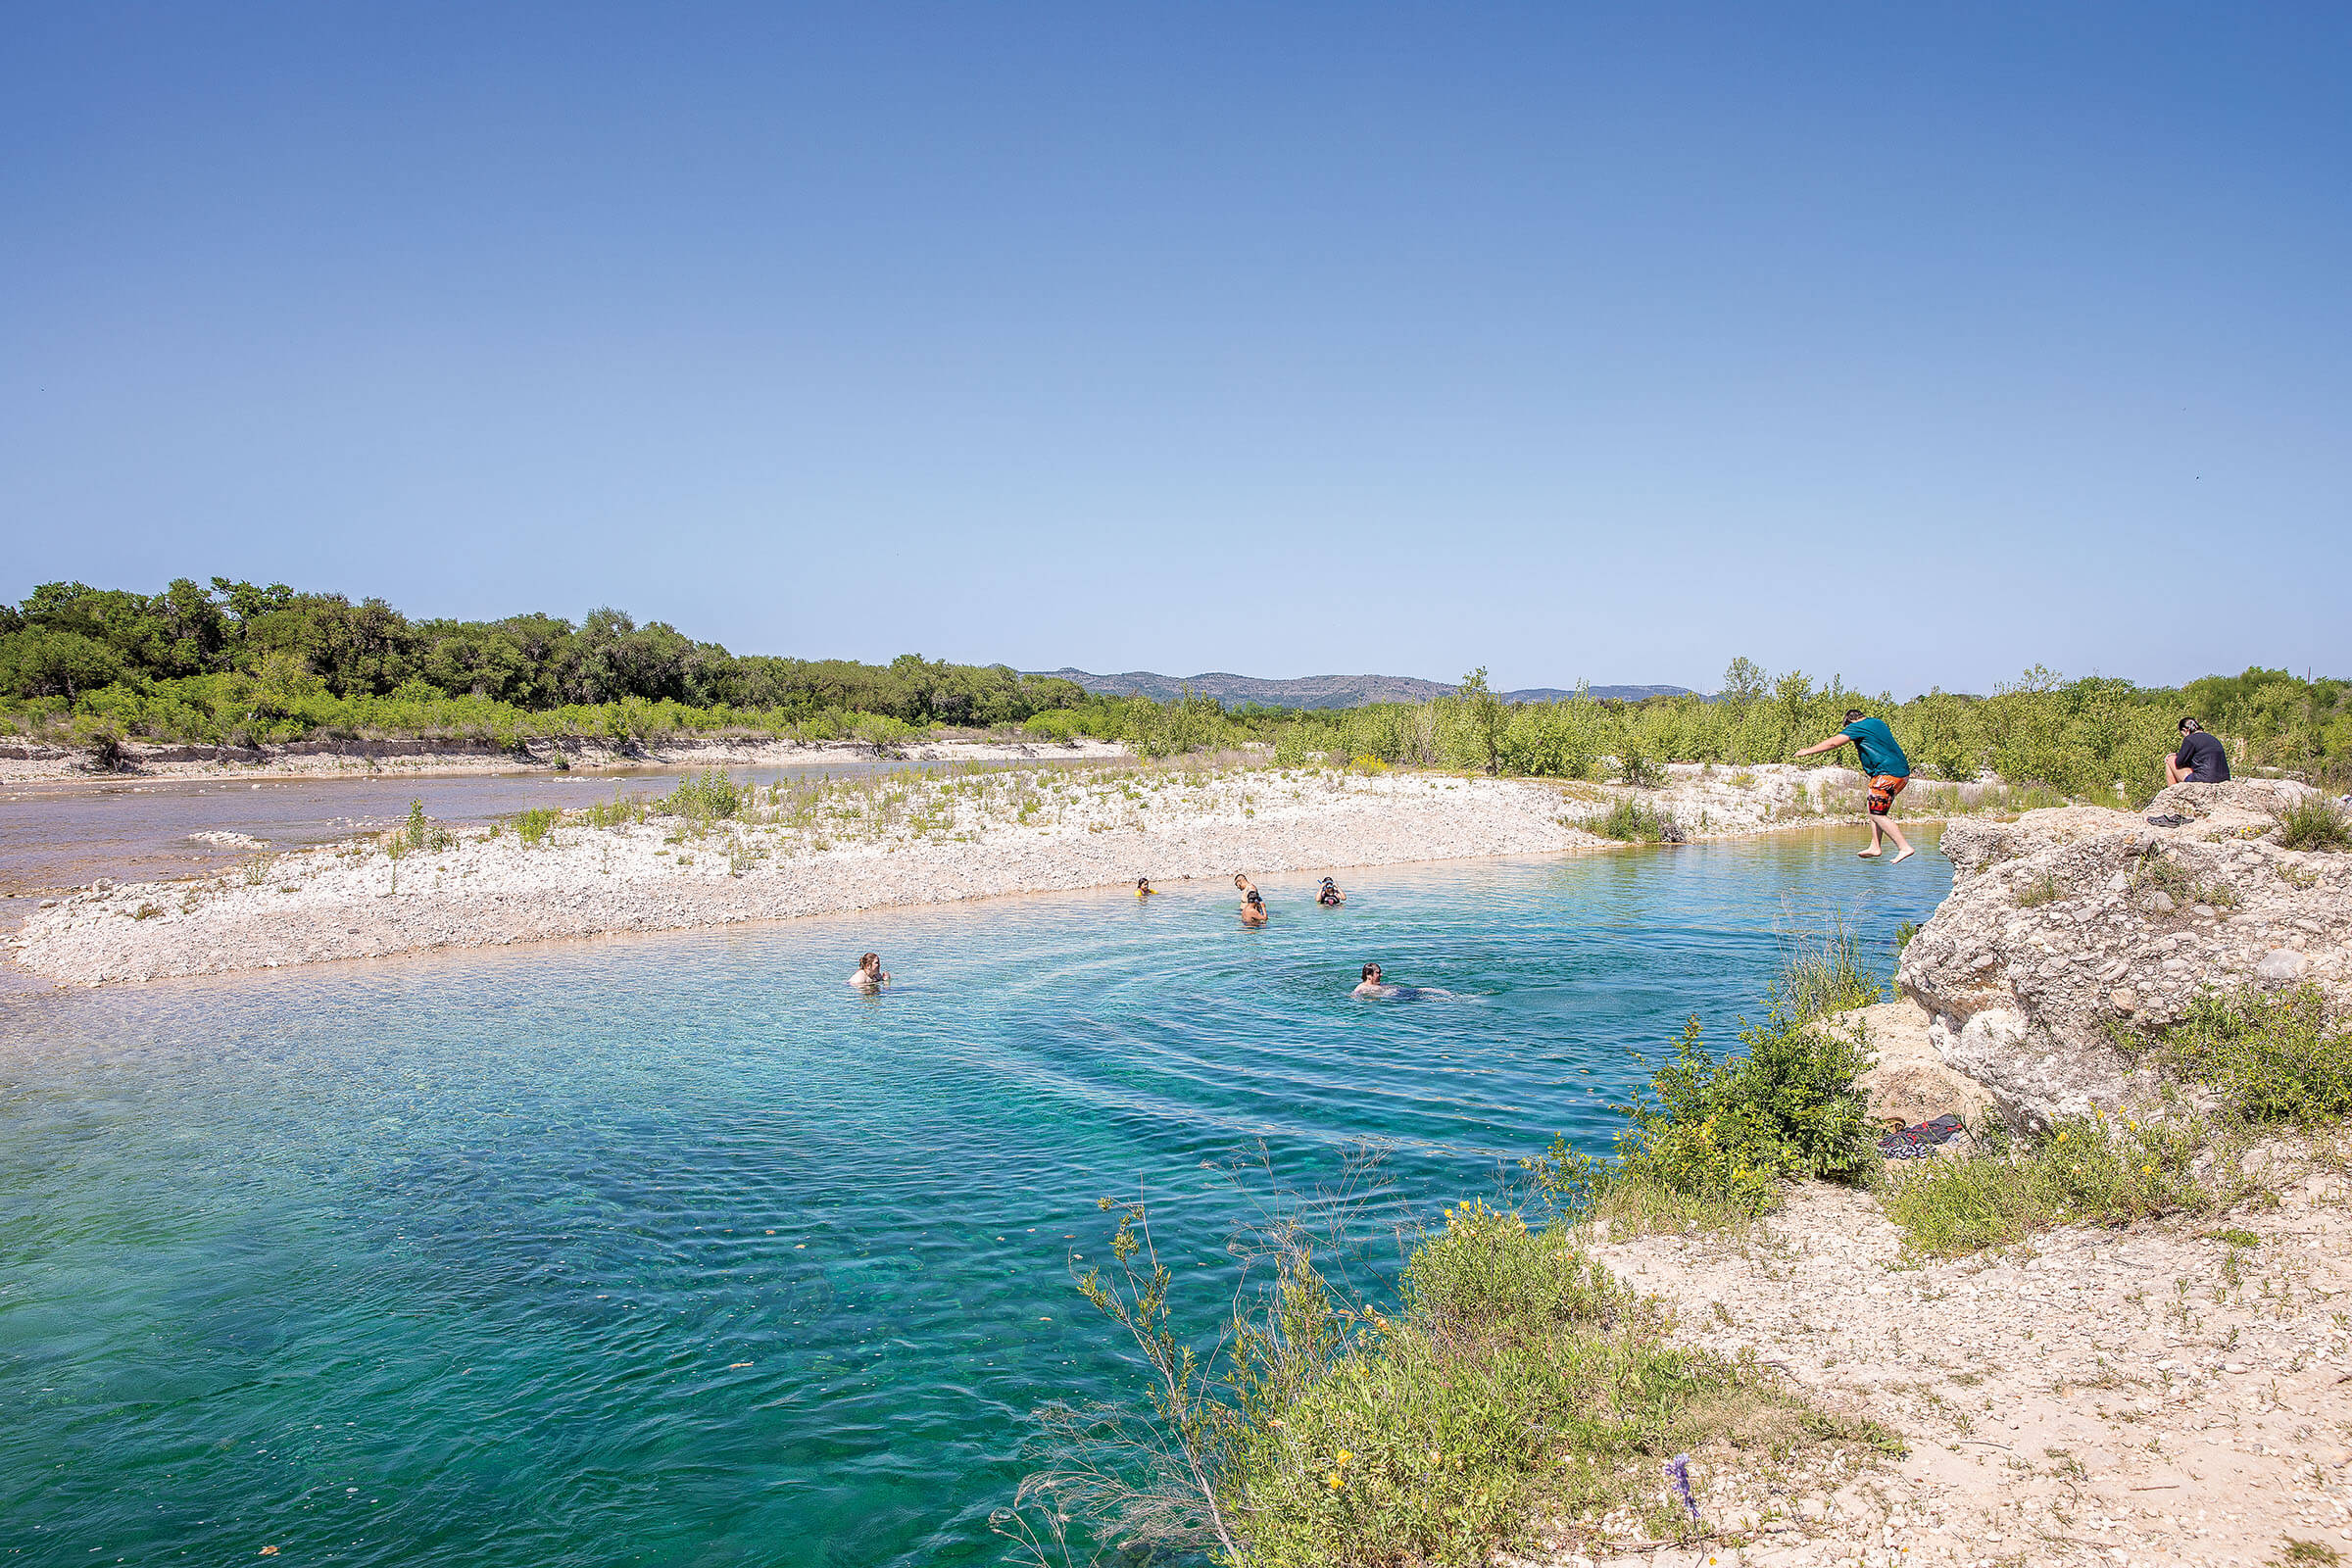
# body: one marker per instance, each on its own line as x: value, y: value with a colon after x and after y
x: 1635, y: 822
x: 2272, y: 1057
x: 534, y: 824
x: 705, y: 797
x: 1730, y: 1130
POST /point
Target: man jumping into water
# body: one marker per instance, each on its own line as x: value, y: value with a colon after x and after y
x: 1885, y: 767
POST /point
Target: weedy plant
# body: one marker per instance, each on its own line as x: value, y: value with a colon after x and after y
x: 705, y: 798
x: 2314, y: 823
x: 1637, y: 822
x: 1515, y: 1376
x: 2095, y: 1169
x: 535, y: 824
x: 2273, y: 1057
x: 2039, y: 891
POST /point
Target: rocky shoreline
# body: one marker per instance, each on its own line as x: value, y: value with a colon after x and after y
x: 858, y: 845
x: 2071, y: 933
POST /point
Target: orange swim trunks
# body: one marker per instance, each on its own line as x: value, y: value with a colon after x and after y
x: 1883, y: 791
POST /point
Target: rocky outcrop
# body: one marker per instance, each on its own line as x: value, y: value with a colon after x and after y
x: 1909, y: 1083
x: 2070, y: 934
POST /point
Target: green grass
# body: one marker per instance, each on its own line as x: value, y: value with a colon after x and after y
x: 535, y: 824
x: 2314, y: 823
x: 2272, y: 1057
x: 2089, y: 1170
x: 1633, y: 823
x: 2039, y: 891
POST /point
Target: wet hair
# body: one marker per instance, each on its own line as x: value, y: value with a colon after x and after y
x: 1251, y: 897
x: 865, y: 959
x: 1142, y: 881
x: 1853, y: 714
x: 2188, y: 724
x: 1371, y: 969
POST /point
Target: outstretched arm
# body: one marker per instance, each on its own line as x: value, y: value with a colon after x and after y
x: 1830, y: 745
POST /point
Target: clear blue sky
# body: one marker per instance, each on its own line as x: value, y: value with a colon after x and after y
x: 1917, y: 344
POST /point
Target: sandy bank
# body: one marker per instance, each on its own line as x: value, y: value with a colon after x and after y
x: 24, y: 761
x: 2152, y: 1396
x: 854, y: 845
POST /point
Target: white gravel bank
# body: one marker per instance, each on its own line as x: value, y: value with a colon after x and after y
x: 858, y: 845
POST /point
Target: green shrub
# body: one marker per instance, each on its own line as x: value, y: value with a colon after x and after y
x: 1730, y: 1130
x: 1635, y: 822
x: 2097, y: 1169
x: 705, y: 797
x: 534, y: 824
x: 2314, y: 823
x: 2272, y: 1057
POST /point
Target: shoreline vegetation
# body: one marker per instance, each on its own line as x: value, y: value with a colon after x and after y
x: 1699, y: 1348
x: 96, y: 679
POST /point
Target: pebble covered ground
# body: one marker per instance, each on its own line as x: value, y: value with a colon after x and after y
x: 853, y: 845
x: 2174, y: 1393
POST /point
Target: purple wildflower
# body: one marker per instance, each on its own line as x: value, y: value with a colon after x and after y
x: 1678, y: 1471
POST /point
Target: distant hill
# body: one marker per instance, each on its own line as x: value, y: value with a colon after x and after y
x: 1318, y: 691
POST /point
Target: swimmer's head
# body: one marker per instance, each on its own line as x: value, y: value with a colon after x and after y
x: 1329, y: 883
x: 1251, y: 898
x: 1372, y: 974
x: 870, y: 963
x: 1144, y: 883
x: 1240, y: 881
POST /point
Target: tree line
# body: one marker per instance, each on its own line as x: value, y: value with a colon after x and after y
x: 237, y: 665
x: 69, y: 640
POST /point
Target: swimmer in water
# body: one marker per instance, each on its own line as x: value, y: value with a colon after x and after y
x: 1243, y: 885
x: 869, y: 975
x: 1253, y: 909
x: 1380, y: 990
x: 1144, y: 888
x: 1331, y: 897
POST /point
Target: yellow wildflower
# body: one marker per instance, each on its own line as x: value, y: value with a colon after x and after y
x: 1345, y: 1457
x: 1334, y: 1480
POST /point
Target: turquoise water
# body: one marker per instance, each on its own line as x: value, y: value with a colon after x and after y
x: 676, y: 1249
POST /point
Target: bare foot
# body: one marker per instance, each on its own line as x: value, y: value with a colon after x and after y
x: 1866, y: 855
x: 1905, y: 855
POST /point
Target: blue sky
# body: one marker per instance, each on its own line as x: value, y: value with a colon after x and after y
x: 1913, y: 345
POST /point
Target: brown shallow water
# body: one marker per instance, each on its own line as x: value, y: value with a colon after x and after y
x: 59, y: 837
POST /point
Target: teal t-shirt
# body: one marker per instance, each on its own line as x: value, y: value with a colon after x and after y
x: 1876, y: 743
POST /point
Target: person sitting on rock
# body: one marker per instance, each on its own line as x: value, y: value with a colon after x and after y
x: 2201, y: 759
x: 1883, y: 763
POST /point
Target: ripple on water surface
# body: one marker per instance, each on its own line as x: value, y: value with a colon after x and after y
x: 677, y: 1250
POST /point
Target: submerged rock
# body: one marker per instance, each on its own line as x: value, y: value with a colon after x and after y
x: 2072, y: 934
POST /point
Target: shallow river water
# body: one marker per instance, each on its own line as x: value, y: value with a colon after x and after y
x: 676, y: 1249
